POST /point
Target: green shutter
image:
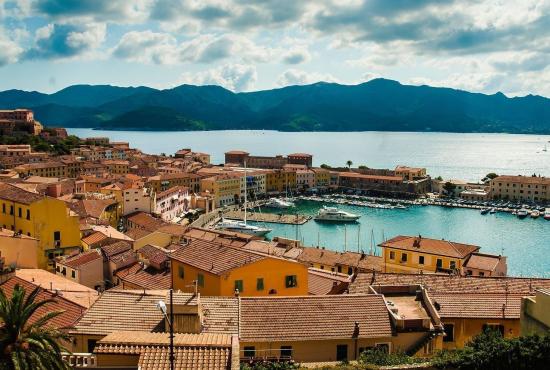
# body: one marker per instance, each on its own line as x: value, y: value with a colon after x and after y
x: 260, y: 284
x: 200, y: 280
x: 239, y: 285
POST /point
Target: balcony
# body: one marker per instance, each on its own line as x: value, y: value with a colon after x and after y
x: 81, y: 360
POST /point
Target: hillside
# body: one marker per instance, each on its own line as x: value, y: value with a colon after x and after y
x: 379, y: 104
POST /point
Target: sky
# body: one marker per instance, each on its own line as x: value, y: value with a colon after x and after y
x: 483, y: 46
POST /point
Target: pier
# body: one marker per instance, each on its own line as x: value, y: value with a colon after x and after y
x: 268, y: 217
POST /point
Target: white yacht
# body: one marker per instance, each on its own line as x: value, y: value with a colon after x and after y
x: 242, y: 227
x: 335, y: 215
x: 547, y: 214
x: 522, y: 213
x: 279, y: 203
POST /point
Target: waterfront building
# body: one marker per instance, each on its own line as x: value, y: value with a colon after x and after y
x: 164, y: 182
x: 410, y: 173
x: 221, y: 270
x: 322, y: 178
x: 242, y: 158
x: 225, y: 189
x: 15, y: 150
x: 521, y: 188
x: 44, y: 218
x: 280, y: 181
x: 415, y: 253
x: 135, y: 199
x: 305, y: 178
x: 475, y: 194
x: 301, y: 158
x: 535, y: 313
x: 83, y: 268
x: 377, y: 183
x: 18, y: 120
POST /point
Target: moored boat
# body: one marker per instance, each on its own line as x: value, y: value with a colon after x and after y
x: 522, y: 213
x: 279, y: 203
x: 242, y: 227
x: 484, y: 211
x: 547, y: 214
x: 333, y: 214
x: 535, y: 214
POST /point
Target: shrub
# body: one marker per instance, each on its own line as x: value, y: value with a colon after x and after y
x: 380, y: 357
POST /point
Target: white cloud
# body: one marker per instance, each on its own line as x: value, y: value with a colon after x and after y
x: 235, y: 77
x: 9, y: 50
x: 147, y: 47
x: 298, y: 77
x: 296, y: 55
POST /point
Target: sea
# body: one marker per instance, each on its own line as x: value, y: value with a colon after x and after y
x: 468, y: 157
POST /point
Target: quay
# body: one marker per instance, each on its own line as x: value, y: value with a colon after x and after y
x: 268, y: 217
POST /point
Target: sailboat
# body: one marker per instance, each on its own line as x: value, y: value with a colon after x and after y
x: 242, y: 226
x: 545, y: 148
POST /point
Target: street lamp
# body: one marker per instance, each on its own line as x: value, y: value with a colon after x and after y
x: 162, y: 308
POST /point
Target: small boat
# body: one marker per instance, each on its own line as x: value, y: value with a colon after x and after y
x: 400, y: 206
x: 242, y: 227
x: 279, y: 203
x: 547, y: 214
x: 492, y: 211
x: 535, y: 214
x: 522, y: 213
x: 484, y: 211
x: 333, y: 214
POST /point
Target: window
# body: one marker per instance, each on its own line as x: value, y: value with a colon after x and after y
x: 481, y: 273
x: 449, y: 333
x: 28, y: 214
x: 11, y: 210
x: 350, y: 270
x: 260, y: 284
x: 73, y: 274
x: 239, y: 285
x: 3, y: 207
x: 249, y: 351
x: 341, y: 352
x: 181, y: 274
x: 339, y: 268
x: 385, y: 347
x: 439, y: 262
x: 420, y: 260
x: 286, y: 351
x: 392, y: 255
x: 404, y: 257
x: 91, y: 344
x: 291, y: 281
x: 19, y: 212
x: 452, y: 265
x: 57, y: 235
x: 494, y: 327
x: 200, y: 280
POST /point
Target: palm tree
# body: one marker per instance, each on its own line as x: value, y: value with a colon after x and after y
x: 349, y: 163
x: 26, y: 345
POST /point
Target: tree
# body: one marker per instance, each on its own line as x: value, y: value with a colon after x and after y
x: 25, y: 344
x: 439, y: 178
x: 449, y: 187
x: 326, y: 166
x: 349, y: 163
x: 363, y: 167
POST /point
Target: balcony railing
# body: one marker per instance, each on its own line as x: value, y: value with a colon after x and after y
x: 81, y: 360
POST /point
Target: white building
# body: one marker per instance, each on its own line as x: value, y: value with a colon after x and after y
x: 137, y: 199
x: 172, y: 202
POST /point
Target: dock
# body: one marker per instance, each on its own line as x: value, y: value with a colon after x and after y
x: 268, y: 217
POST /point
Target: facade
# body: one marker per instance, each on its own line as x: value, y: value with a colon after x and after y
x: 377, y: 183
x: 410, y: 173
x: 225, y: 189
x: 322, y: 178
x: 521, y: 188
x: 280, y: 181
x: 136, y: 199
x: 84, y: 268
x: 44, y: 218
x: 415, y: 254
x: 18, y: 120
x: 241, y: 158
x: 171, y: 203
x: 117, y: 167
x: 164, y: 182
x: 43, y: 169
x: 17, y: 250
x: 224, y: 271
x: 15, y: 150
x: 535, y: 316
x: 301, y: 158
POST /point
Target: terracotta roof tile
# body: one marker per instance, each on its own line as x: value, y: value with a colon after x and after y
x: 478, y: 305
x: 71, y: 311
x: 431, y: 246
x: 321, y: 282
x: 13, y: 193
x: 94, y: 238
x: 313, y: 317
x: 485, y: 262
x: 148, y: 278
x: 112, y: 249
x: 213, y: 257
x: 79, y: 260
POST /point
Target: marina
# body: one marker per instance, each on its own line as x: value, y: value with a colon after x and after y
x: 279, y: 218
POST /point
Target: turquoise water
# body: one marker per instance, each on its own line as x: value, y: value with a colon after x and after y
x: 451, y: 155
x: 525, y: 242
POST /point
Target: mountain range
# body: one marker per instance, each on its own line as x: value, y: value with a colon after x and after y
x: 379, y: 104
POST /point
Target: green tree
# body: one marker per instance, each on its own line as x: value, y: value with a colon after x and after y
x: 439, y: 178
x: 449, y: 187
x: 25, y: 344
x: 325, y: 166
x: 349, y: 163
x: 363, y: 167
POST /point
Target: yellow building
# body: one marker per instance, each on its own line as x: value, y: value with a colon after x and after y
x: 410, y: 173
x: 226, y: 188
x: 280, y: 181
x: 221, y: 270
x: 43, y: 169
x: 18, y: 250
x: 415, y: 254
x: 520, y: 188
x: 535, y: 313
x: 44, y: 218
x: 164, y: 182
x: 322, y: 178
x: 117, y: 167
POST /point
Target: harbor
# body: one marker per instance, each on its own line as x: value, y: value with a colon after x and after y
x: 278, y: 218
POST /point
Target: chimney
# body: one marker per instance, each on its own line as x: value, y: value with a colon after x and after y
x: 53, y: 190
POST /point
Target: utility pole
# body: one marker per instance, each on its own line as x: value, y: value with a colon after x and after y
x: 172, y: 329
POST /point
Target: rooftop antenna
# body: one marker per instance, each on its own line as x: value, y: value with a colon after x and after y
x: 371, y: 241
x: 358, y: 238
x: 345, y: 238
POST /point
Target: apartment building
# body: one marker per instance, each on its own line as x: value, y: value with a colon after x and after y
x: 166, y: 181
x: 171, y: 203
x: 43, y: 169
x: 410, y: 173
x: 136, y: 199
x: 83, y: 268
x: 521, y: 188
x: 225, y: 189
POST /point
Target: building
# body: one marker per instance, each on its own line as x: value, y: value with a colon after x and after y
x: 44, y: 218
x: 475, y: 194
x: 521, y: 188
x: 83, y: 268
x: 43, y: 169
x: 301, y: 158
x: 240, y: 158
x: 171, y: 203
x: 280, y: 181
x: 225, y: 189
x: 415, y: 254
x: 220, y: 270
x: 481, y: 264
x: 322, y: 178
x: 410, y: 173
x: 137, y: 199
x: 535, y: 316
x: 17, y: 250
x: 378, y: 184
x: 164, y: 182
x: 117, y: 167
x: 18, y: 120
x: 305, y: 179
x: 15, y: 150
x: 90, y: 184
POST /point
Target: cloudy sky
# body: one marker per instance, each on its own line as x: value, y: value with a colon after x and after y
x: 243, y: 45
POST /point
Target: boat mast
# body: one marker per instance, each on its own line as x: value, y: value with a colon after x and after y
x: 245, y: 197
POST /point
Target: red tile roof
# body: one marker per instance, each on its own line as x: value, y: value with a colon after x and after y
x: 273, y: 319
x: 94, y: 238
x: 14, y: 193
x: 81, y: 259
x: 430, y: 246
x: 485, y: 262
x: 112, y: 249
x: 478, y: 305
x: 71, y: 311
